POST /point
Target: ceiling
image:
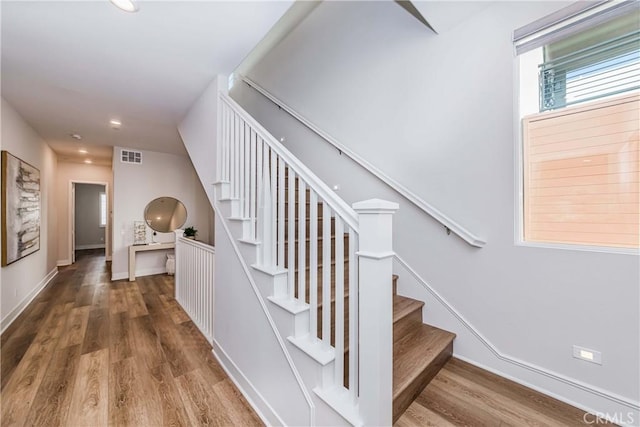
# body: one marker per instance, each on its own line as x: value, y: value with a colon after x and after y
x: 70, y: 67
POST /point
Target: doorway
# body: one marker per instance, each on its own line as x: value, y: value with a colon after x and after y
x: 89, y: 219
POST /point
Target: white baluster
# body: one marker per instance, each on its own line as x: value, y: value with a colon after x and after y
x: 353, y: 316
x: 219, y: 138
x: 241, y: 156
x: 225, y: 142
x: 247, y: 157
x: 302, y: 213
x: 254, y: 173
x: 281, y: 213
x: 291, y: 235
x: 339, y: 320
x: 232, y: 154
x: 236, y: 144
x: 260, y: 197
x: 273, y: 207
x: 326, y: 275
x: 313, y: 263
x: 266, y: 211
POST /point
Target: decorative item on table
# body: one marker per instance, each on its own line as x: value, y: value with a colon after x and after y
x: 190, y: 233
x: 20, y: 209
x: 139, y: 233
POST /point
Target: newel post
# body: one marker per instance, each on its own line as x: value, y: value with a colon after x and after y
x: 375, y: 261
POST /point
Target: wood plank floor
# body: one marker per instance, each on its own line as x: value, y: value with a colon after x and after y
x: 90, y: 352
x: 464, y: 395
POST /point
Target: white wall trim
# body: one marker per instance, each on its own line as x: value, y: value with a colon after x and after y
x: 267, y: 313
x: 266, y: 413
x: 63, y: 262
x: 9, y: 318
x: 621, y: 400
x: 93, y: 246
x: 430, y: 210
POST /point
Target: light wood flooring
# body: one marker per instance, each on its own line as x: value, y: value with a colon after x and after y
x: 464, y: 395
x: 90, y: 352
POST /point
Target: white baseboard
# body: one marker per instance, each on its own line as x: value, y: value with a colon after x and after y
x: 253, y: 396
x: 139, y: 273
x: 92, y: 246
x: 63, y: 262
x: 9, y: 318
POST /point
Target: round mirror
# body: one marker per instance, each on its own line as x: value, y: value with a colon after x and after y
x: 165, y: 214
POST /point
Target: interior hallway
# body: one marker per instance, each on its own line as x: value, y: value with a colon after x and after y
x: 90, y: 352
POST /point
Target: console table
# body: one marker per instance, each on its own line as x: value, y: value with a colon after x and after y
x: 133, y: 249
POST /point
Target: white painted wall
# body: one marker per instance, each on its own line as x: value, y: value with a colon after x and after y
x: 247, y: 345
x: 21, y: 281
x: 198, y: 130
x: 136, y: 185
x: 66, y: 173
x: 437, y: 113
x: 89, y: 233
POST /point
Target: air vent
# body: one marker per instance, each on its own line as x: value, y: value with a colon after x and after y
x: 129, y: 156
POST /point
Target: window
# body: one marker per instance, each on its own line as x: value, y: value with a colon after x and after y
x: 103, y: 210
x: 580, y: 110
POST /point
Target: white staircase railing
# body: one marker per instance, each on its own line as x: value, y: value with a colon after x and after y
x: 194, y: 282
x: 302, y: 228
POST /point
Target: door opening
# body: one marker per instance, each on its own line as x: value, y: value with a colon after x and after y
x: 88, y: 219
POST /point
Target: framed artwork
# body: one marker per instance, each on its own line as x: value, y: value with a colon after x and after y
x: 20, y: 209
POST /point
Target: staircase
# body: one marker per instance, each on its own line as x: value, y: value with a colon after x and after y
x: 326, y: 269
x: 419, y: 350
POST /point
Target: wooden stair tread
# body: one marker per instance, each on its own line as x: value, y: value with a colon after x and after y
x: 419, y: 350
x: 403, y: 306
x: 417, y: 358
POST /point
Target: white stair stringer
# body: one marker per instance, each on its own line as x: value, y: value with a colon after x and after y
x: 313, y: 361
x: 213, y: 120
x: 332, y: 404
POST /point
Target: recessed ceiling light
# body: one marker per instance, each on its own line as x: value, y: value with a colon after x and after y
x: 88, y: 161
x: 82, y: 151
x: 115, y: 122
x: 126, y: 5
x: 75, y: 136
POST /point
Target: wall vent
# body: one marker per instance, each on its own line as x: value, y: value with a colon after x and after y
x: 130, y: 156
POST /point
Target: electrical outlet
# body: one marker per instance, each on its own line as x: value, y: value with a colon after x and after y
x: 587, y: 354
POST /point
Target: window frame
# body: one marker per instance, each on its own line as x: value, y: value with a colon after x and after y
x: 519, y: 195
